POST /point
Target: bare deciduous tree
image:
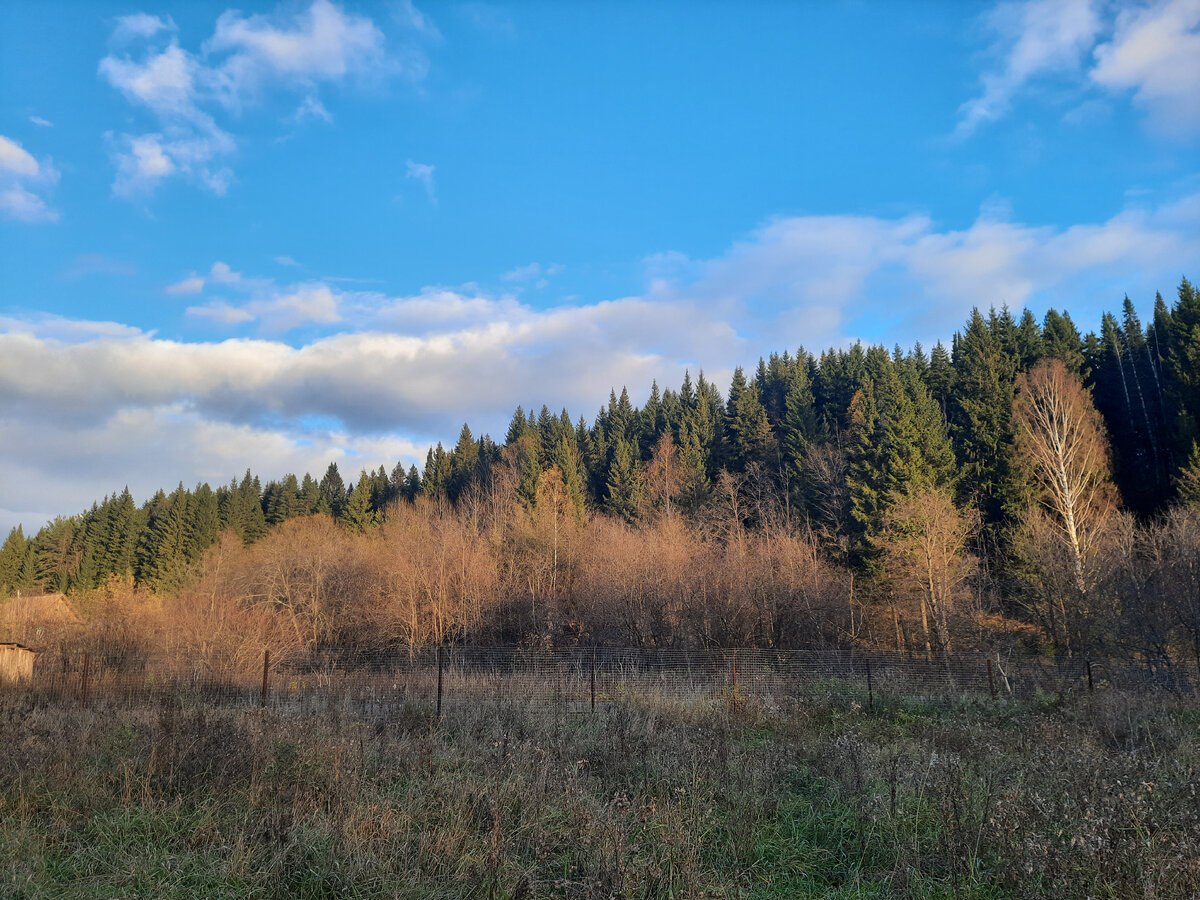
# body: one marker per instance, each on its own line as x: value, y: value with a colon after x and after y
x: 927, y: 549
x: 1061, y: 442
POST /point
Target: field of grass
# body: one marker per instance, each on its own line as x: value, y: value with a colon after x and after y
x: 819, y: 797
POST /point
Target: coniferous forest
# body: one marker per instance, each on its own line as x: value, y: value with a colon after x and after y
x: 1029, y: 486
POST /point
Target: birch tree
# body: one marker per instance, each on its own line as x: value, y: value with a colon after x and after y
x: 1061, y: 443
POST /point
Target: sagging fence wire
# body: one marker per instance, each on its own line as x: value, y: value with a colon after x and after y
x: 382, y: 682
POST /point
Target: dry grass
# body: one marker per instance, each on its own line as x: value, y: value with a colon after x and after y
x: 823, y: 798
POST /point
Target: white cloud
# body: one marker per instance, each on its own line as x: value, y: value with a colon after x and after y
x: 221, y: 312
x: 19, y: 171
x: 1148, y: 50
x: 140, y: 26
x: 277, y: 311
x: 14, y: 158
x: 1155, y: 52
x: 245, y: 57
x: 322, y: 43
x: 523, y: 273
x: 38, y: 120
x: 286, y: 261
x: 423, y: 173
x: 1033, y: 37
x: 220, y: 273
x: 23, y: 206
x: 44, y: 476
x: 193, y: 284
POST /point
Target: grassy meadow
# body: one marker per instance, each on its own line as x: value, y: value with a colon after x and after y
x: 820, y: 797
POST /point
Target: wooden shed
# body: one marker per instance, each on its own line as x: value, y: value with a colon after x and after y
x: 16, y: 663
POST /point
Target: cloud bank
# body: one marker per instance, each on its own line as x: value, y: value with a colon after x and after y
x: 377, y: 377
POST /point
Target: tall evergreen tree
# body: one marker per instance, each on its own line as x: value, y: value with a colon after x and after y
x: 333, y: 491
x: 748, y: 435
x: 464, y: 461
x: 16, y: 563
x: 625, y: 482
x: 357, y: 513
x: 1061, y: 340
x: 981, y: 421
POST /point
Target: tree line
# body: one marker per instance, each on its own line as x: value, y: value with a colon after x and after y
x: 1028, y: 483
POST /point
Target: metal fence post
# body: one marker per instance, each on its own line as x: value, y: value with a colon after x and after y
x: 1091, y: 684
x: 870, y: 686
x: 991, y: 679
x: 262, y: 700
x: 593, y: 679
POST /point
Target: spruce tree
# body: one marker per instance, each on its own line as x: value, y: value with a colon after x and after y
x: 1061, y: 340
x: 333, y: 491
x: 464, y: 462
x: 357, y: 513
x: 1183, y: 367
x: 205, y: 521
x: 16, y: 563
x: 748, y: 435
x: 981, y: 421
x: 625, y: 482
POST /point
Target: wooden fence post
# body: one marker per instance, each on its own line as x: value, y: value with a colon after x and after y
x: 991, y: 679
x: 83, y: 683
x: 593, y: 679
x: 733, y: 697
x: 439, y: 682
x: 262, y: 700
x: 870, y: 687
x: 1091, y: 684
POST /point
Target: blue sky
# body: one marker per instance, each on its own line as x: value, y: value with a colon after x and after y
x: 276, y: 235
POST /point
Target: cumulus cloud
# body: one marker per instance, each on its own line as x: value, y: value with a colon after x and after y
x: 220, y: 273
x: 314, y: 304
x: 1148, y: 50
x: 19, y: 173
x: 323, y: 43
x: 245, y: 58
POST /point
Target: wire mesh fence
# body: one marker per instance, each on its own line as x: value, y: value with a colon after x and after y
x: 579, y: 679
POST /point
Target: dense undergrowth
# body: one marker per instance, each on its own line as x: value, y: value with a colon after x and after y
x: 824, y: 797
